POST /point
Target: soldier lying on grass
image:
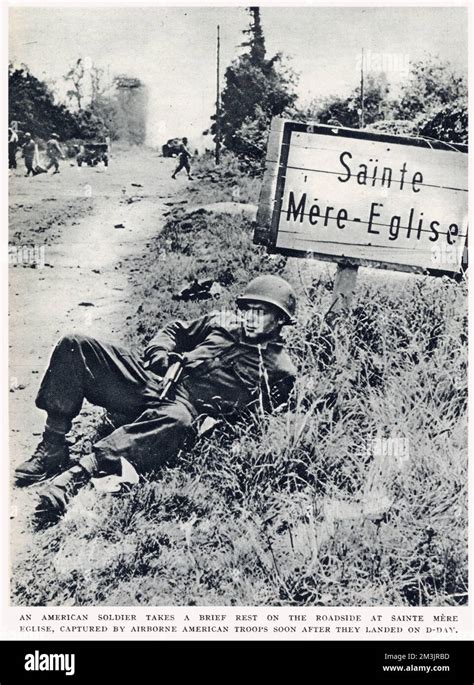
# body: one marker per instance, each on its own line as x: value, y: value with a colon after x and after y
x: 229, y: 363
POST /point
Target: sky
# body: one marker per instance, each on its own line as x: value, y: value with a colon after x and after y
x: 173, y: 50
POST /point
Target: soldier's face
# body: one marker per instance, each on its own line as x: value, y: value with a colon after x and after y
x: 259, y: 321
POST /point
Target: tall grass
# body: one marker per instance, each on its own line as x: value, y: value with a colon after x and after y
x: 299, y: 507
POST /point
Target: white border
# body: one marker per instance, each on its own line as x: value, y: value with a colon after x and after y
x: 9, y: 615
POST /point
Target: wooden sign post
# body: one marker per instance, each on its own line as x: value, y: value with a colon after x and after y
x: 344, y: 287
x: 363, y: 199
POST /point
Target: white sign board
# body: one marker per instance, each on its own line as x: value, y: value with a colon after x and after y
x: 370, y: 199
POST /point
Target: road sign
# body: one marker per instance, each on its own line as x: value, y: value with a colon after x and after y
x: 363, y: 198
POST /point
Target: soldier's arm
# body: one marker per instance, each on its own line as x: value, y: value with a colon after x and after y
x: 280, y: 390
x: 276, y: 388
x: 178, y: 336
x: 275, y: 395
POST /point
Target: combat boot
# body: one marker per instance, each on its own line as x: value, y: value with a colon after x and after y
x: 48, y: 459
x: 55, y: 498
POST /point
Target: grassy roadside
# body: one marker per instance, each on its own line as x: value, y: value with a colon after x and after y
x: 302, y: 507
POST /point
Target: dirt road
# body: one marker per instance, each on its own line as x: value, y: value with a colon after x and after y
x: 71, y: 236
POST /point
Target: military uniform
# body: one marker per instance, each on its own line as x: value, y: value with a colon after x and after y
x: 222, y: 375
x: 12, y: 148
x: 184, y: 157
x: 28, y: 150
x: 228, y: 364
x: 54, y: 152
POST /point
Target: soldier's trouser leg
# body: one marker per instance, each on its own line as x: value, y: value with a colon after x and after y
x: 53, y: 162
x: 29, y: 166
x: 113, y: 378
x: 150, y: 441
x: 178, y: 168
x: 11, y: 157
x: 85, y: 368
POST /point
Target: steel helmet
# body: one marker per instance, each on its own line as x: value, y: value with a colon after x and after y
x: 272, y: 290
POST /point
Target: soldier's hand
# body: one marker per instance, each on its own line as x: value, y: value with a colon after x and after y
x: 159, y: 362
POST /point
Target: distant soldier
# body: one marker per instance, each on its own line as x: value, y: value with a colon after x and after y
x: 184, y: 157
x: 53, y: 152
x: 12, y: 148
x: 29, y: 152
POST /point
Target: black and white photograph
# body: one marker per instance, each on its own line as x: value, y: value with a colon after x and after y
x: 238, y: 266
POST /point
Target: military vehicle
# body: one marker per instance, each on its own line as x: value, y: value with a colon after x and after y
x: 93, y: 153
x: 172, y: 148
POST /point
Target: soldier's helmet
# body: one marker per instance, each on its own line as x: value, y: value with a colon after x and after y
x: 54, y: 135
x: 27, y: 135
x: 272, y: 290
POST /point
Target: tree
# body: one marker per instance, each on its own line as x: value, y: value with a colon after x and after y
x: 119, y: 112
x: 256, y: 89
x: 432, y: 103
x: 256, y: 43
x: 32, y: 104
x: 346, y: 111
x: 434, y: 99
x: 76, y: 76
x: 103, y: 106
x: 450, y: 124
x: 98, y: 87
x: 431, y: 86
